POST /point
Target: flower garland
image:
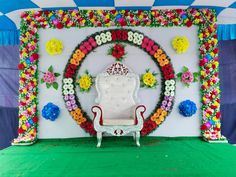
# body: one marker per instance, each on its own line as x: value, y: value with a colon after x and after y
x: 85, y: 82
x: 180, y: 44
x: 148, y: 79
x: 186, y: 77
x: 32, y: 21
x: 54, y: 46
x: 133, y: 38
x: 117, y: 51
x: 49, y: 78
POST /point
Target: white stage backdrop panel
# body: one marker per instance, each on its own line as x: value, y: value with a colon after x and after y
x: 137, y: 60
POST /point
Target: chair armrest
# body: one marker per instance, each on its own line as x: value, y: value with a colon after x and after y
x: 97, y: 112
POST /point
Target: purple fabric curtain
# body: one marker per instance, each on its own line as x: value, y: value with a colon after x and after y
x: 227, y: 60
x: 9, y: 59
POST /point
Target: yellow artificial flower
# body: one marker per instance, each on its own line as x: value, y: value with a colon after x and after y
x: 54, y: 46
x: 85, y: 82
x: 149, y: 79
x: 180, y: 44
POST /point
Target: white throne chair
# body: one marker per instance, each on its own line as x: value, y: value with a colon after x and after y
x: 117, y: 111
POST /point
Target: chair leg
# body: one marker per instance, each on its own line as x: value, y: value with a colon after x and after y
x: 99, y: 138
x: 134, y: 136
x: 137, y: 137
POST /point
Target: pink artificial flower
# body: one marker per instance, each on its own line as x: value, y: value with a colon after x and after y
x: 187, y: 77
x: 49, y: 77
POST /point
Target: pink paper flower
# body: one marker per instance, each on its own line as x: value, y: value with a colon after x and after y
x: 49, y: 77
x: 187, y: 77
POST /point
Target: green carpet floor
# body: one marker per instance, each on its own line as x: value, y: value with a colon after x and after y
x: 164, y: 157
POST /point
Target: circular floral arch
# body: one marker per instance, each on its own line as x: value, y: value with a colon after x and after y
x: 135, y: 38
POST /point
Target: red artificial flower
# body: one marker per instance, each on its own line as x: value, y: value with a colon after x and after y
x: 124, y: 35
x: 203, y: 127
x: 168, y: 72
x: 21, y: 131
x: 21, y: 66
x: 189, y: 23
x: 35, y: 56
x: 148, y: 126
x: 88, y: 127
x: 117, y: 51
x: 113, y: 35
x: 35, y: 119
x: 59, y: 25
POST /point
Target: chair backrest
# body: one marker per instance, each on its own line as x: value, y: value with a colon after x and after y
x: 117, y: 89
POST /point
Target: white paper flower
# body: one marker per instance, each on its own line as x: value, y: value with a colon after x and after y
x: 97, y: 37
x: 130, y: 38
x: 104, y: 40
x: 167, y: 82
x: 172, y: 87
x: 139, y: 42
x: 130, y: 33
x: 172, y: 82
x: 167, y: 88
x: 71, y: 92
x: 99, y: 42
x: 103, y: 35
x: 109, y: 38
x: 140, y: 36
x: 172, y: 93
x: 65, y: 87
x: 136, y: 35
x: 108, y: 33
x: 65, y: 92
x: 135, y: 40
x: 167, y: 93
x: 70, y: 86
x: 70, y: 80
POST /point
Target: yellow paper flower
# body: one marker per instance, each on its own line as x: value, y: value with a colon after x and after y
x: 148, y: 79
x: 85, y: 82
x: 54, y: 46
x: 180, y: 44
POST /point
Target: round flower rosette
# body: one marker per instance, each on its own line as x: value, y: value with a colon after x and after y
x: 128, y: 36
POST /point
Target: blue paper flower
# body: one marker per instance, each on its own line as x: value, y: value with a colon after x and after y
x: 187, y: 108
x: 118, y: 17
x: 50, y: 111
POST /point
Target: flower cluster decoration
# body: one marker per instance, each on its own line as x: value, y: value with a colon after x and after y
x: 117, y: 51
x: 187, y: 77
x: 32, y: 21
x: 50, y: 111
x: 49, y: 78
x: 85, y: 82
x: 187, y: 108
x: 54, y: 46
x: 148, y: 79
x: 180, y: 44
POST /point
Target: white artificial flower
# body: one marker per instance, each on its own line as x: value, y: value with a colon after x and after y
x: 65, y: 86
x: 140, y: 36
x: 167, y: 82
x: 65, y: 92
x: 139, y: 42
x: 167, y: 93
x: 104, y: 40
x: 130, y: 33
x: 108, y: 33
x: 70, y: 86
x: 69, y: 80
x: 167, y: 88
x: 99, y: 42
x: 130, y: 38
x: 135, y: 41
x: 172, y: 87
x: 172, y: 82
x: 97, y: 37
x: 71, y: 92
x: 136, y: 35
x: 109, y: 38
x: 172, y: 93
x: 102, y: 35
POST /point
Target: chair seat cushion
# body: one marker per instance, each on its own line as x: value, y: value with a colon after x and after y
x: 127, y: 121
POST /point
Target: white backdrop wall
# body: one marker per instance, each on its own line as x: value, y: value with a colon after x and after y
x: 137, y: 60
